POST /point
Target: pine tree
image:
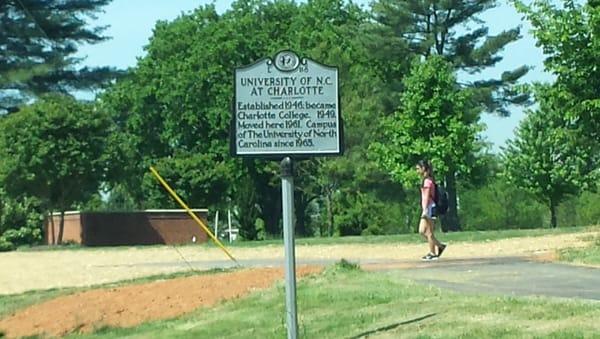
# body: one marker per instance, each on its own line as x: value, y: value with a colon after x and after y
x: 442, y: 27
x: 38, y: 40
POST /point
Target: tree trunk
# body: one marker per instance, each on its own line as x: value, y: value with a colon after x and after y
x: 300, y: 210
x: 271, y: 214
x: 270, y: 206
x: 450, y: 222
x: 61, y: 227
x: 329, y: 215
x: 52, y: 227
x: 552, y: 213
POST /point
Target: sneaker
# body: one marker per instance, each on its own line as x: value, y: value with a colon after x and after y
x: 429, y: 257
x: 441, y: 250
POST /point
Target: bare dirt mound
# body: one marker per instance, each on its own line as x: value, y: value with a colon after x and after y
x: 134, y: 304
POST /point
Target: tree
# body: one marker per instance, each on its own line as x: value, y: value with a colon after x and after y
x: 453, y: 31
x: 431, y: 27
x: 38, y: 39
x: 176, y: 103
x: 161, y: 124
x: 338, y: 36
x: 434, y: 121
x: 570, y: 38
x: 53, y: 151
x: 549, y: 155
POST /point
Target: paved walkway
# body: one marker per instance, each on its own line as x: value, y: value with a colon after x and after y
x: 497, y: 276
x: 510, y: 276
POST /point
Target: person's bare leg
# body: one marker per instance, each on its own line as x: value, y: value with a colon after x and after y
x: 435, y: 241
x: 425, y: 228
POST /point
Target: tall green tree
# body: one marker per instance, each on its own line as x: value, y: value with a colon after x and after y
x: 53, y: 151
x: 569, y: 34
x: 173, y: 108
x: 435, y: 121
x: 454, y: 31
x: 339, y: 36
x: 38, y: 39
x: 549, y: 155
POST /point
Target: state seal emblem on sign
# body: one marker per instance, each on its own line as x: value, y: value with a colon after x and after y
x: 286, y: 61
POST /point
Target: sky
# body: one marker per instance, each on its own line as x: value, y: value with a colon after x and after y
x: 131, y: 22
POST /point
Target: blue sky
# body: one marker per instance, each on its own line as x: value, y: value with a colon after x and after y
x: 131, y: 23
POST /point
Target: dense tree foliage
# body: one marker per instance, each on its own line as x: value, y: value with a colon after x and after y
x: 174, y: 109
x: 434, y: 122
x: 499, y: 206
x: 401, y: 101
x: 561, y: 138
x: 569, y: 35
x: 549, y: 156
x: 580, y: 210
x: 53, y: 151
x: 452, y: 29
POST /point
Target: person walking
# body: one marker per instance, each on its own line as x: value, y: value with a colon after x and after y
x: 428, y: 216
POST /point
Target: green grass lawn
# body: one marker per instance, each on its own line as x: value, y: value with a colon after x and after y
x: 589, y: 255
x: 349, y: 303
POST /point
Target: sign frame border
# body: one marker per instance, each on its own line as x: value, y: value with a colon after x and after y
x: 272, y: 156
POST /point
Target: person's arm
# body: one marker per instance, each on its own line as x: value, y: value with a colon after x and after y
x: 426, y: 195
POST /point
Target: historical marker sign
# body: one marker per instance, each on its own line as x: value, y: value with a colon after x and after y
x: 286, y: 107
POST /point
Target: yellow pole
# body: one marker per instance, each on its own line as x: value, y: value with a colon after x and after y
x: 189, y: 211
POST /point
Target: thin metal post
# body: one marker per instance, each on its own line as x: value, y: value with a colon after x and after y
x: 287, y: 195
x: 229, y: 223
x: 217, y: 224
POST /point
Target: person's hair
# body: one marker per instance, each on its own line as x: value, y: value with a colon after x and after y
x: 424, y: 164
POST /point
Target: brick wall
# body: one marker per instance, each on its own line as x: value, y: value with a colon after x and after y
x: 127, y: 228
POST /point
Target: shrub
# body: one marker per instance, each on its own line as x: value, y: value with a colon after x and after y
x: 500, y: 206
x: 581, y: 210
x: 5, y: 246
x: 19, y: 213
x: 23, y: 236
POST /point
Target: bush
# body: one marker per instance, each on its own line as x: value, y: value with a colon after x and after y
x: 5, y: 246
x: 589, y: 209
x: 583, y: 210
x: 500, y: 206
x: 365, y: 214
x: 20, y: 222
x: 346, y: 265
x: 15, y: 214
x: 23, y: 236
x: 342, y: 266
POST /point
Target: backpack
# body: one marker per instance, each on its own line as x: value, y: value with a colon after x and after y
x: 441, y: 200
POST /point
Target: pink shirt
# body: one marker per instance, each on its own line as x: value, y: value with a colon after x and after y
x: 427, y: 193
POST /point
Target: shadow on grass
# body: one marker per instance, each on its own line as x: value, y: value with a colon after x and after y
x: 392, y: 326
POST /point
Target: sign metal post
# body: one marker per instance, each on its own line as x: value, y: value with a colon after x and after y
x: 287, y: 195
